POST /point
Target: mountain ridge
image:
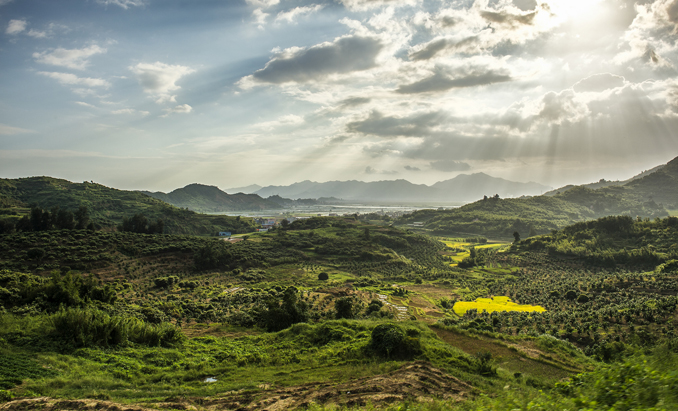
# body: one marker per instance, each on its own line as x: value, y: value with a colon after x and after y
x: 462, y: 188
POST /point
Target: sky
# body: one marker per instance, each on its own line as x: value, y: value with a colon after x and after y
x: 158, y: 94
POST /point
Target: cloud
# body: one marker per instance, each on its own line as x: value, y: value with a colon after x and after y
x: 354, y: 102
x: 371, y: 170
x: 159, y: 79
x: 82, y: 103
x: 181, y: 109
x: 125, y: 4
x: 3, y: 2
x: 130, y: 111
x: 413, y: 125
x: 16, y: 26
x: 441, y: 81
x: 73, y: 80
x: 291, y: 15
x: 467, y: 45
x: 362, y: 5
x: 410, y: 168
x: 344, y: 55
x: 562, y: 107
x: 653, y: 33
x: 37, y: 34
x: 598, y: 82
x: 450, y: 165
x: 6, y: 130
x: 73, y: 58
x: 263, y: 3
x: 508, y: 19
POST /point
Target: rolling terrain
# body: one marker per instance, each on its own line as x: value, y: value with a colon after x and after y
x: 648, y: 196
x: 107, y: 207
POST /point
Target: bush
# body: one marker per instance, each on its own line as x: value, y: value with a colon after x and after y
x: 84, y: 328
x: 323, y: 276
x: 390, y: 341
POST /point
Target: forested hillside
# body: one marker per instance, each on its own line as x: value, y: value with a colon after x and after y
x: 210, y: 199
x: 106, y: 207
x: 646, y: 197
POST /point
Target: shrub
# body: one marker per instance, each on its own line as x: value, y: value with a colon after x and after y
x: 391, y: 341
x: 323, y: 276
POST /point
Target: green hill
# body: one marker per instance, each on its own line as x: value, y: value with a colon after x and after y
x: 210, y: 199
x: 647, y: 196
x: 107, y: 206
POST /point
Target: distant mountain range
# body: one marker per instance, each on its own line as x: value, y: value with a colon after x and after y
x: 462, y: 188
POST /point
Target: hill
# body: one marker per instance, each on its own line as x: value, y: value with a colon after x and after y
x: 500, y: 218
x: 107, y: 206
x: 602, y: 183
x: 462, y: 188
x: 210, y: 199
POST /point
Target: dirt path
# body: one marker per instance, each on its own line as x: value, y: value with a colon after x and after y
x: 401, y: 311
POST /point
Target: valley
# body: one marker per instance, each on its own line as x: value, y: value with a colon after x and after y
x: 358, y: 311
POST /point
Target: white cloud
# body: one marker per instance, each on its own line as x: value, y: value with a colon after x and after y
x: 182, y: 109
x: 599, y: 82
x: 3, y: 2
x: 82, y: 103
x: 6, y: 130
x: 362, y: 5
x: 73, y: 80
x: 653, y: 33
x: 37, y: 34
x: 130, y: 111
x: 72, y: 58
x: 16, y: 26
x: 264, y: 4
x: 125, y: 4
x: 260, y: 17
x: 159, y: 79
x: 291, y: 15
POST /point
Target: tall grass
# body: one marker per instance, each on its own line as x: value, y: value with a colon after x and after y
x: 91, y: 327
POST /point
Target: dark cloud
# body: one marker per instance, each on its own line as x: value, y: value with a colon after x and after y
x: 442, y: 82
x: 448, y: 21
x: 414, y: 125
x: 450, y: 165
x: 354, y: 101
x: 598, y: 82
x: 436, y: 46
x: 508, y: 19
x: 410, y: 168
x: 344, y: 55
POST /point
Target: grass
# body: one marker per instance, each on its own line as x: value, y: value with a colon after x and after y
x: 498, y: 303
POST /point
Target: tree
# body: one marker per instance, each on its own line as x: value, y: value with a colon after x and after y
x: 285, y: 223
x: 323, y: 276
x: 82, y: 218
x: 345, y: 307
x: 516, y: 236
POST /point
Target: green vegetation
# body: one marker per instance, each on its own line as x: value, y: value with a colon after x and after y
x: 501, y: 218
x: 107, y: 207
x: 357, y: 311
